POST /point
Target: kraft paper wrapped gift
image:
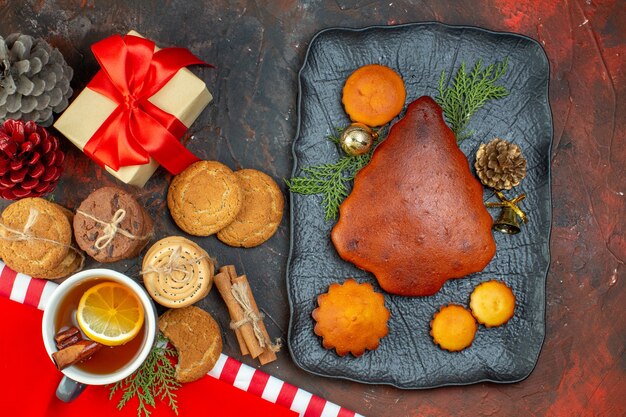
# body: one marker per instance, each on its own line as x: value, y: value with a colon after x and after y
x: 184, y: 96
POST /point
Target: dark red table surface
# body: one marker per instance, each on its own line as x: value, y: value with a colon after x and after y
x: 258, y: 47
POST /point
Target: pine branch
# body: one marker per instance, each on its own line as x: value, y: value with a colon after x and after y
x: 154, y: 379
x: 331, y: 180
x: 468, y: 93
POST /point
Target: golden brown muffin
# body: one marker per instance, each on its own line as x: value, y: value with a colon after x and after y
x: 204, y: 198
x: 197, y: 338
x: 261, y: 211
x: 351, y: 317
x: 415, y: 217
x: 453, y: 327
x: 492, y: 303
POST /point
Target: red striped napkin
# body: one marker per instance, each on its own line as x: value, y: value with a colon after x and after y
x: 35, y: 377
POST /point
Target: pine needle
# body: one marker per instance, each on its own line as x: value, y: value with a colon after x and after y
x: 332, y: 180
x: 468, y: 93
x: 153, y: 380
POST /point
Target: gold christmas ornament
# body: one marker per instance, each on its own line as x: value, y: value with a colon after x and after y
x: 500, y: 164
x: 507, y: 221
x: 357, y: 139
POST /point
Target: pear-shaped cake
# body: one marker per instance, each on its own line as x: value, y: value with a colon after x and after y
x: 415, y: 217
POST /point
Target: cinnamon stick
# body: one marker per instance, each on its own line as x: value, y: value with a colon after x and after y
x: 223, y: 284
x: 75, y: 353
x: 66, y: 334
x: 268, y: 354
x: 242, y: 343
x: 68, y: 341
x: 232, y: 273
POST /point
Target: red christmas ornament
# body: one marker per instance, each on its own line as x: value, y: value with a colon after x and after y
x: 30, y: 160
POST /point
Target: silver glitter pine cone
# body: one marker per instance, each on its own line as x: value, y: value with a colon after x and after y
x: 34, y: 79
x: 500, y: 164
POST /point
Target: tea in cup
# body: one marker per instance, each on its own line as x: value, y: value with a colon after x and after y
x: 98, y: 327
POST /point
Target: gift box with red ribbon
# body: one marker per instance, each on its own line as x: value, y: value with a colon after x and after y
x: 132, y: 114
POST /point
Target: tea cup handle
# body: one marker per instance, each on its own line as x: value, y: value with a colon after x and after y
x: 68, y: 389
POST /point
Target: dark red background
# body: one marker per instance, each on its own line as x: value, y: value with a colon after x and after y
x: 258, y: 47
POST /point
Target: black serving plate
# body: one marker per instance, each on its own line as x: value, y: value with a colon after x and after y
x: 407, y: 357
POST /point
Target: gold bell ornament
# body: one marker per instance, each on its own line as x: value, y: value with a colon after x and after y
x: 501, y: 165
x: 357, y: 139
x: 508, y: 222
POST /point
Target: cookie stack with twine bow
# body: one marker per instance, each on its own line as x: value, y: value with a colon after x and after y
x: 36, y: 239
x: 111, y: 225
x: 177, y: 272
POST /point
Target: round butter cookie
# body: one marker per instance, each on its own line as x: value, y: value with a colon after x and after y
x: 260, y: 213
x: 47, y: 239
x: 177, y: 272
x: 197, y: 338
x: 204, y: 198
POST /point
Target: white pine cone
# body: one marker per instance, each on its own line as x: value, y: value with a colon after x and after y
x: 34, y: 79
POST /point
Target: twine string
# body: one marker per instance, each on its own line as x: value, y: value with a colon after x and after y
x: 240, y: 293
x: 26, y: 235
x: 111, y: 229
x: 173, y: 264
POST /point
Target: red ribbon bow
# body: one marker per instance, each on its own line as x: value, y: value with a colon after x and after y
x: 137, y: 129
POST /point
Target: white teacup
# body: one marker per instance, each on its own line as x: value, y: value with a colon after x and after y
x: 76, y: 379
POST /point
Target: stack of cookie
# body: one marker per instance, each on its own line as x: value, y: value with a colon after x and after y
x: 111, y: 225
x: 36, y: 239
x: 244, y: 208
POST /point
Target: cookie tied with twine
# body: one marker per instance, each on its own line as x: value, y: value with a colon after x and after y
x: 177, y: 272
x: 36, y: 239
x: 111, y: 225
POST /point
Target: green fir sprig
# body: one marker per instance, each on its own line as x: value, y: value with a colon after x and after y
x: 468, y: 93
x: 153, y: 380
x: 459, y: 101
x: 332, y: 180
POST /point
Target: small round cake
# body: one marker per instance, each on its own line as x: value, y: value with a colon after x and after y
x: 453, y: 328
x: 351, y: 318
x: 492, y: 303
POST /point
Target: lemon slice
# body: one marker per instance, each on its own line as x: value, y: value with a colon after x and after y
x: 110, y: 313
